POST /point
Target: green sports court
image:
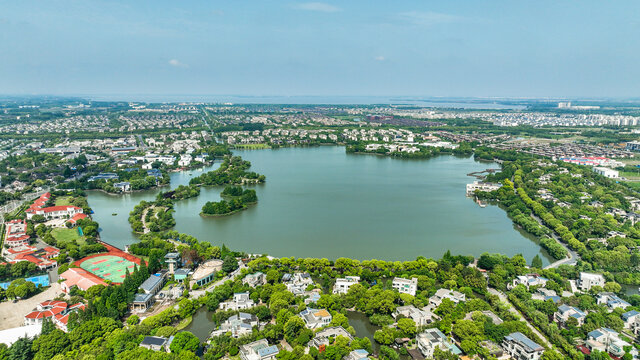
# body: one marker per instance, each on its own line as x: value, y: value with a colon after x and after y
x: 108, y: 267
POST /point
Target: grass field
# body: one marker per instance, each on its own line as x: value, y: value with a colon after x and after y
x: 65, y: 235
x: 108, y: 267
x: 251, y: 146
x: 63, y: 200
x: 631, y: 175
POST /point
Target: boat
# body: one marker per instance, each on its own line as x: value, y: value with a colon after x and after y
x: 114, y: 214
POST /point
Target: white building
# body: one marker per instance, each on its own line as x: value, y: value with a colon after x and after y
x: 238, y: 325
x: 240, y: 301
x: 482, y: 186
x: 605, y: 339
x: 342, y: 285
x: 428, y: 340
x: 253, y: 280
x: 315, y: 319
x: 565, y: 312
x: 589, y: 280
x: 405, y: 286
x: 611, y: 300
x: 442, y: 294
x: 297, y: 283
x: 327, y: 335
x: 606, y: 172
x: 528, y: 281
x: 420, y: 317
x: 520, y: 347
x: 258, y: 350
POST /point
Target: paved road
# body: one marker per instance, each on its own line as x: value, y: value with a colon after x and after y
x: 572, y: 256
x: 14, y: 204
x: 517, y: 313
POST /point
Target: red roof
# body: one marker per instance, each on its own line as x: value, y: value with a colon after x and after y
x: 47, y: 309
x: 77, y: 217
x: 60, y: 208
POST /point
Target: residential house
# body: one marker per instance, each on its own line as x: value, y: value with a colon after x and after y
x: 253, y: 280
x: 342, y: 285
x: 258, y: 350
x: 442, y: 294
x: 405, y: 286
x: 566, y: 312
x: 431, y: 339
x: 240, y: 301
x: 605, y: 339
x: 315, y: 319
x: 528, y: 281
x: 324, y: 336
x: 156, y: 343
x: 611, y: 300
x: 238, y: 325
x: 589, y: 280
x: 420, y: 317
x: 520, y: 347
x: 297, y: 283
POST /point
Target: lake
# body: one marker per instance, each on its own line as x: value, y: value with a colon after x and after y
x: 322, y: 202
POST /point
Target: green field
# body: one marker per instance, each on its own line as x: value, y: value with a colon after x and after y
x: 63, y: 200
x: 251, y: 146
x: 108, y: 267
x: 66, y: 235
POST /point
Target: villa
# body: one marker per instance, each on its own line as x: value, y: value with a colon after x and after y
x: 342, y: 285
x: 405, y: 286
x: 315, y: 319
x: 258, y: 350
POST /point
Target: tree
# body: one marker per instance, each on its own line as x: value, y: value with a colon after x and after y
x: 292, y: 328
x: 229, y: 264
x: 21, y: 350
x: 536, y: 262
x: 184, y: 341
x: 407, y: 327
x: 133, y: 320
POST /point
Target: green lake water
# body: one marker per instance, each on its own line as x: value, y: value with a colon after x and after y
x: 322, y: 202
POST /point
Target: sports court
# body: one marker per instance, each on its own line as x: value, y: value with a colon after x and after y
x: 108, y: 267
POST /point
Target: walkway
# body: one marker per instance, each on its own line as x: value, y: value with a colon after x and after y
x: 517, y: 313
x: 572, y: 256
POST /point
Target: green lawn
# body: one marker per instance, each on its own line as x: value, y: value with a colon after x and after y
x: 63, y: 200
x: 65, y: 235
x: 251, y: 146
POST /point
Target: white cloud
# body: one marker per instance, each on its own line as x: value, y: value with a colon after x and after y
x: 379, y: 58
x: 428, y: 18
x: 177, y: 63
x: 317, y: 6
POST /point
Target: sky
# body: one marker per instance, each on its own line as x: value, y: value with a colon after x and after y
x: 511, y: 48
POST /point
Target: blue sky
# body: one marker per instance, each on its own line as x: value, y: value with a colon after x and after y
x: 419, y: 48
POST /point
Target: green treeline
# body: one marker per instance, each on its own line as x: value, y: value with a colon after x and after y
x: 232, y: 171
x: 234, y: 199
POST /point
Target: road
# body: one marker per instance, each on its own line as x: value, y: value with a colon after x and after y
x: 198, y: 293
x: 572, y: 256
x: 14, y: 204
x: 517, y: 313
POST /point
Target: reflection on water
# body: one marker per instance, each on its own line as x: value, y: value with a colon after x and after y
x: 322, y: 202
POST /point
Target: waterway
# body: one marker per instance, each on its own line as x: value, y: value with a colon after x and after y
x: 202, y: 324
x: 322, y: 202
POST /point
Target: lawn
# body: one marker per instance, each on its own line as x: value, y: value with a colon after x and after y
x: 65, y: 235
x: 63, y: 201
x: 251, y: 146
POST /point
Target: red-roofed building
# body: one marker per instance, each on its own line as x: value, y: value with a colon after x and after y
x: 77, y: 217
x: 16, y: 234
x: 62, y: 320
x: 80, y: 278
x: 51, y: 212
x: 45, y: 310
x: 43, y: 258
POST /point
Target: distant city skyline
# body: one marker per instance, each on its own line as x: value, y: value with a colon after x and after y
x: 305, y: 48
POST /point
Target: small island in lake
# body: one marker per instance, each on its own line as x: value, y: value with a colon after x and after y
x: 234, y: 199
